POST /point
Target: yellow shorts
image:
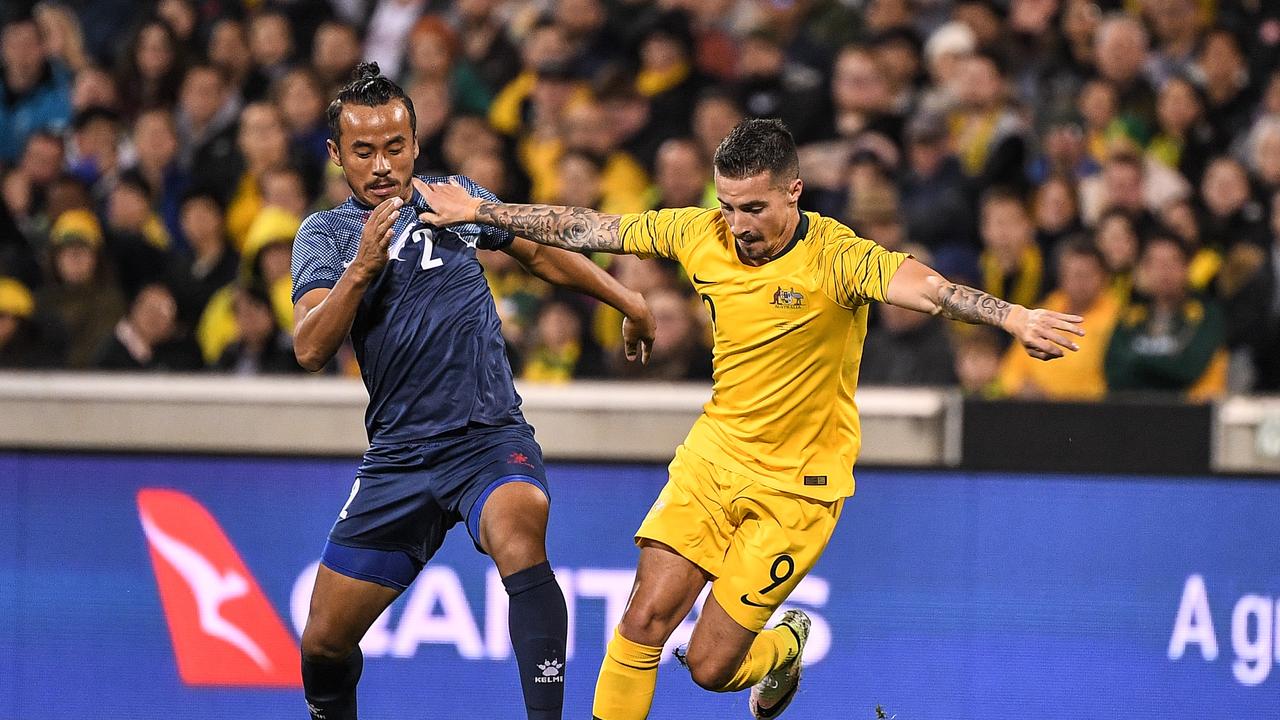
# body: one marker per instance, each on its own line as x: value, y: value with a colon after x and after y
x: 756, y: 541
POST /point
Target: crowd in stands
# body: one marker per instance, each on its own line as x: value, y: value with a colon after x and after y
x: 1117, y: 160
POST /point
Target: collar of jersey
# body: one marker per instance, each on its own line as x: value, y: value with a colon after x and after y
x: 802, y: 229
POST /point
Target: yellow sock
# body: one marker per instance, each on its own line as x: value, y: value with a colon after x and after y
x: 770, y: 649
x: 624, y: 690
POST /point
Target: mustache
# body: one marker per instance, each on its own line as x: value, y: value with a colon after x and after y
x: 748, y: 237
x: 378, y: 182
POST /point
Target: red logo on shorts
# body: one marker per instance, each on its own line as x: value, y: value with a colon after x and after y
x: 224, y: 630
x: 519, y: 458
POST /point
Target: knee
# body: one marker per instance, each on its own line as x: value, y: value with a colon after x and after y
x: 648, y: 622
x: 710, y: 674
x: 322, y: 645
x: 518, y: 552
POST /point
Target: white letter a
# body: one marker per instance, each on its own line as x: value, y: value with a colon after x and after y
x: 1194, y: 623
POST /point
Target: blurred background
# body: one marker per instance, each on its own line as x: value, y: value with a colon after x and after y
x: 1095, y: 535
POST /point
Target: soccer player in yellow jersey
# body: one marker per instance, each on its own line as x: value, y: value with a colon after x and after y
x: 757, y: 487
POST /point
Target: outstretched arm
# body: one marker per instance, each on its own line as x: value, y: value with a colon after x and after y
x: 571, y: 228
x: 578, y: 272
x: 1044, y: 334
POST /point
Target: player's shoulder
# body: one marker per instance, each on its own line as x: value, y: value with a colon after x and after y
x: 471, y: 186
x: 829, y: 233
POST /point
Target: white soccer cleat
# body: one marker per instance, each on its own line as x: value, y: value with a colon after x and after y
x: 771, y: 696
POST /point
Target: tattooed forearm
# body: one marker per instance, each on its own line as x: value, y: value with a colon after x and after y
x: 966, y: 304
x: 572, y: 228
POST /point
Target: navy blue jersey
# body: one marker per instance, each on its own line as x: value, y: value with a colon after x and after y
x: 427, y: 333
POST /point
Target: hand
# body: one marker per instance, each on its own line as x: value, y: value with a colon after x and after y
x: 1043, y: 333
x: 450, y: 203
x: 371, y: 257
x: 638, y: 331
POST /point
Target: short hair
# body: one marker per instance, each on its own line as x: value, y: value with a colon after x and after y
x: 369, y: 88
x: 758, y: 145
x: 1167, y: 238
x: 1001, y: 193
x: 1079, y: 245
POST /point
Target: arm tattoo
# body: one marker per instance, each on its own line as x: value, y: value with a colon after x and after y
x: 966, y: 304
x: 572, y: 228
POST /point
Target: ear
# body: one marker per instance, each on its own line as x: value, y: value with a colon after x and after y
x: 416, y: 149
x: 336, y: 159
x: 793, y: 193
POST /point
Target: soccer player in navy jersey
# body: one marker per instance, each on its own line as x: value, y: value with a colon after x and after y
x: 447, y: 441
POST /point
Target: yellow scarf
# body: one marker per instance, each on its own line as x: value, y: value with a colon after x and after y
x: 1026, y: 291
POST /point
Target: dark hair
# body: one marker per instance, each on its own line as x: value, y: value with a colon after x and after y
x: 369, y: 88
x: 758, y: 145
x: 1079, y: 245
x: 1002, y: 193
x: 1162, y: 236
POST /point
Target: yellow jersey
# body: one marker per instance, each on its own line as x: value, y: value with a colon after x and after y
x: 788, y: 343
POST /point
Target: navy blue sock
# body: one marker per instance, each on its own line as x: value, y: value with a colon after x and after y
x: 330, y: 688
x: 539, y: 624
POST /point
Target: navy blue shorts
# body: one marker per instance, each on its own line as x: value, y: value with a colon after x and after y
x: 406, y: 497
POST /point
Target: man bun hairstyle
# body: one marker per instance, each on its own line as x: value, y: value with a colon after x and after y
x: 758, y: 145
x: 368, y: 87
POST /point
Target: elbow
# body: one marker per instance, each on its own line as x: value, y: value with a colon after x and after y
x: 309, y: 359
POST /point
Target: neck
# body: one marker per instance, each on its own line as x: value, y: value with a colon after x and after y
x: 780, y: 242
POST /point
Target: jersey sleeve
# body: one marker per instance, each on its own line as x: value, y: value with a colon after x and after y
x: 659, y: 233
x: 491, y: 238
x: 855, y: 270
x: 316, y: 263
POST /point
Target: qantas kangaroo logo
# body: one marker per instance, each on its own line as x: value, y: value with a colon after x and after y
x: 224, y: 631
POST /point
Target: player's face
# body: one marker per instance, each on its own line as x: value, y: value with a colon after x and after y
x: 760, y: 211
x: 376, y: 151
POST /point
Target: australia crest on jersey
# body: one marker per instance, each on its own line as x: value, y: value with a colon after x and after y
x: 789, y: 298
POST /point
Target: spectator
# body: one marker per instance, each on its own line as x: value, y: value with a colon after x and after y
x: 183, y: 17
x: 151, y: 68
x: 302, y: 107
x: 81, y: 301
x: 335, y: 52
x: 484, y: 42
x: 622, y: 181
x: 147, y: 337
x: 1184, y: 138
x: 770, y: 86
x: 1230, y: 214
x: 630, y: 114
x: 1166, y: 339
x: 679, y: 352
x: 934, y: 195
x: 433, y: 110
x: 137, y: 241
x: 682, y: 177
x: 1083, y: 290
x: 36, y: 92
x: 263, y: 146
x: 388, y: 32
x: 229, y: 52
x: 261, y: 346
x: 862, y: 96
x: 1011, y: 264
x: 1057, y: 214
x: 977, y: 359
x: 95, y: 148
x: 714, y: 115
x: 1264, y: 154
x: 1120, y: 54
x: 1122, y: 186
x: 155, y: 143
x: 1225, y: 78
x: 1177, y: 25
x: 206, y: 122
x: 271, y: 44
x: 558, y: 352
x: 667, y: 75
x: 208, y: 263
x: 63, y: 38
x: 1257, y: 310
x: 905, y: 347
x: 988, y: 136
x: 1116, y: 236
x: 22, y: 341
x: 434, y: 54
x: 265, y: 262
